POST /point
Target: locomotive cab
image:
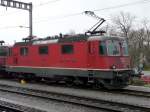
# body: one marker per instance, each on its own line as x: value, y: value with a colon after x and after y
x: 111, y: 61
x: 116, y: 52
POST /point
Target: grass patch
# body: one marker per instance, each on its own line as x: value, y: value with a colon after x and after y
x: 147, y: 68
x: 147, y: 85
x: 137, y: 82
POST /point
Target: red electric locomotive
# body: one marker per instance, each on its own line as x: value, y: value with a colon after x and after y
x: 100, y: 59
x: 84, y: 58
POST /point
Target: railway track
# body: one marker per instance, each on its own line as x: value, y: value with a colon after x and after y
x: 76, y: 100
x: 6, y: 106
x: 130, y: 92
x: 134, y: 93
x: 8, y: 109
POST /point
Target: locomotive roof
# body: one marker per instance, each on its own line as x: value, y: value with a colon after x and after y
x: 68, y: 39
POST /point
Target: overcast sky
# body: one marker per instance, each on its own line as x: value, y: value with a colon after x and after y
x: 50, y: 17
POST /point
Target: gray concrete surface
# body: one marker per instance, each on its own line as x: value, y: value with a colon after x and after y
x: 145, y: 102
x: 147, y: 73
x: 138, y: 88
x: 43, y: 104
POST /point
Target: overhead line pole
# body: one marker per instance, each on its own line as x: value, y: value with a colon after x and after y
x: 23, y: 6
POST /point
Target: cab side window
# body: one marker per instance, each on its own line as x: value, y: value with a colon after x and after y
x: 102, y: 48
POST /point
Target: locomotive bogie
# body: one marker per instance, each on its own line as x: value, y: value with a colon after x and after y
x: 107, y: 79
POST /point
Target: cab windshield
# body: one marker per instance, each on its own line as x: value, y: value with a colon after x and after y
x: 109, y: 47
x: 113, y: 47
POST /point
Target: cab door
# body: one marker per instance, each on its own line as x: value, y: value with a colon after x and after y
x: 91, y: 54
x: 15, y: 55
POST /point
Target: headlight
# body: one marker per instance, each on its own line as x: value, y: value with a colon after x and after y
x: 113, y: 67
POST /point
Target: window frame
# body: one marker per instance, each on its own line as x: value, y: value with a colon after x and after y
x: 99, y: 51
x: 25, y: 52
x: 108, y: 54
x: 3, y: 51
x: 64, y: 51
x: 9, y: 52
x: 122, y: 48
x: 40, y: 48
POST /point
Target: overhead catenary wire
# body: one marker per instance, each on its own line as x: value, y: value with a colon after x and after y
x: 122, y: 5
x: 57, y: 18
x: 95, y: 10
x: 8, y: 27
x: 36, y: 6
x: 78, y: 13
x: 46, y: 3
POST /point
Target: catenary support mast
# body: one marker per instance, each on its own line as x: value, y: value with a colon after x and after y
x: 20, y: 5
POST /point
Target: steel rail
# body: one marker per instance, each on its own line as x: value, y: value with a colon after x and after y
x: 130, y: 92
x: 76, y: 100
x: 6, y: 106
x: 133, y: 93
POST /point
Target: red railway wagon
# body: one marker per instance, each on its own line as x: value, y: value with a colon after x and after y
x: 101, y: 60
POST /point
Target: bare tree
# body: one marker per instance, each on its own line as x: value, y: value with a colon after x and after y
x: 146, y: 27
x: 147, y: 32
x: 138, y: 39
x: 111, y: 30
x: 71, y: 32
x: 124, y: 22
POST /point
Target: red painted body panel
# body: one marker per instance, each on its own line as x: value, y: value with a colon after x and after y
x: 98, y: 61
x: 2, y: 61
x: 86, y: 55
x: 3, y: 53
x: 53, y: 59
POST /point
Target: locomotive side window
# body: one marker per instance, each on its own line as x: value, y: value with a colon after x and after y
x: 43, y: 50
x: 67, y: 49
x: 113, y: 47
x: 23, y: 51
x: 102, y: 48
x: 3, y: 51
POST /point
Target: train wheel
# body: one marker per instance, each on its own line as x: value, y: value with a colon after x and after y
x: 70, y: 81
x: 84, y: 81
x: 98, y: 84
x: 38, y: 79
